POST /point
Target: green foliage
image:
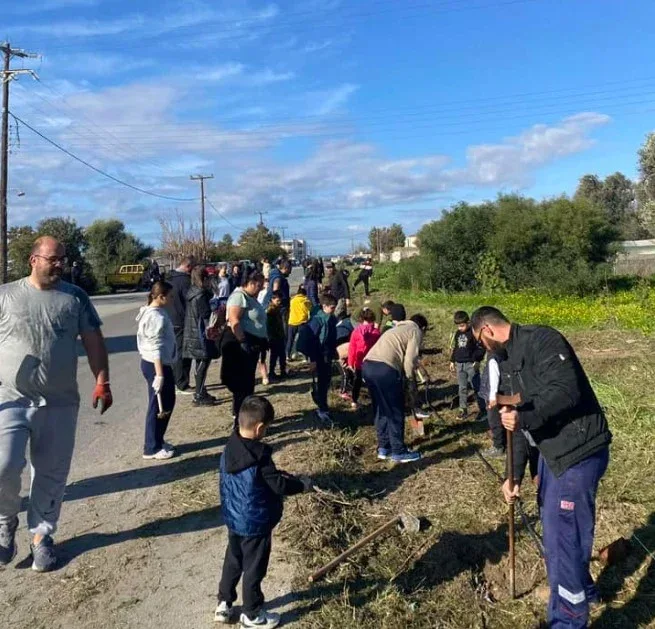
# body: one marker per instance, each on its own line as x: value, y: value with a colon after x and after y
x: 223, y: 250
x: 19, y: 244
x: 67, y: 232
x: 615, y: 195
x: 109, y: 246
x: 454, y: 243
x: 257, y: 242
x: 386, y: 239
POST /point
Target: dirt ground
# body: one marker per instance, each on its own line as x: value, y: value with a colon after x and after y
x: 143, y: 545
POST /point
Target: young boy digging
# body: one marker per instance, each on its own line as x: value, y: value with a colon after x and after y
x: 251, y: 490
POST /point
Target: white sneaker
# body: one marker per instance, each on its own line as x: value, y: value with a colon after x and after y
x: 265, y: 381
x: 224, y: 613
x: 168, y: 446
x: 265, y: 620
x: 160, y: 456
x: 188, y: 391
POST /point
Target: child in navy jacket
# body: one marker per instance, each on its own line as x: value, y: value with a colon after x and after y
x: 252, y: 490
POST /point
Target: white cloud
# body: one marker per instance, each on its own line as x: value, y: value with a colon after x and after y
x: 334, y: 99
x: 222, y: 72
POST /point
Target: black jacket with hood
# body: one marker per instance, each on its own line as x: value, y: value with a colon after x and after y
x: 252, y: 487
x: 559, y: 407
x: 197, y: 310
x: 181, y: 283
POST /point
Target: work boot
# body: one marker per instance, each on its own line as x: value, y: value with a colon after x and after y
x: 8, y: 546
x: 44, y: 558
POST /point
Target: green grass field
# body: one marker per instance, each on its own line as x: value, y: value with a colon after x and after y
x: 453, y: 574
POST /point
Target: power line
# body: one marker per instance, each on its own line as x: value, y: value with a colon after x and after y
x: 94, y: 168
x: 221, y: 214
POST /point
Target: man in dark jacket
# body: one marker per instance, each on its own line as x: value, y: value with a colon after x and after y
x: 251, y: 489
x: 560, y: 414
x: 339, y: 289
x: 180, y: 279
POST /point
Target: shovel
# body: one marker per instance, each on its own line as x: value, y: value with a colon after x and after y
x: 408, y: 523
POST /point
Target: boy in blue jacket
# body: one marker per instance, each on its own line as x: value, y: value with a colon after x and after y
x: 322, y: 350
x: 252, y: 489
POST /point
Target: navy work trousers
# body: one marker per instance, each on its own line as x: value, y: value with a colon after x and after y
x: 156, y: 428
x: 568, y: 514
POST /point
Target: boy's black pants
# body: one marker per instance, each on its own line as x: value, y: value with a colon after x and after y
x: 498, y: 436
x: 247, y: 556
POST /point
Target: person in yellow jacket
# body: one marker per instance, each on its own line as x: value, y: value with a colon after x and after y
x: 299, y: 313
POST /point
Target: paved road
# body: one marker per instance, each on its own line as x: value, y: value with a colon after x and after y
x: 120, y: 569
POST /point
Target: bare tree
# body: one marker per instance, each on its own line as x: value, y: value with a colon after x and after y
x: 180, y: 237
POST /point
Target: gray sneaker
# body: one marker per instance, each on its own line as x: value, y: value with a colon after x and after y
x: 44, y: 558
x: 493, y: 453
x: 8, y: 546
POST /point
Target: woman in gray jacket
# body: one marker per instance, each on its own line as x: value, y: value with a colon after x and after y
x: 156, y: 343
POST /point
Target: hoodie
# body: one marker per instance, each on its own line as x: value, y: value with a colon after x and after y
x: 252, y: 487
x: 155, y: 337
x: 361, y: 341
x: 323, y: 328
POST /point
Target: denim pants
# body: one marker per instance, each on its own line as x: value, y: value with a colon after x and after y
x: 292, y: 332
x: 278, y: 354
x: 568, y: 515
x: 156, y: 428
x: 385, y: 385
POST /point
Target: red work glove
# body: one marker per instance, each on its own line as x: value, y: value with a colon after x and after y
x: 102, y: 395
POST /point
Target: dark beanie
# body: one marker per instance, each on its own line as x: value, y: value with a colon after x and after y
x: 397, y: 312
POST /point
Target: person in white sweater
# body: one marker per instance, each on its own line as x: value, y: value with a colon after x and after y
x: 156, y: 344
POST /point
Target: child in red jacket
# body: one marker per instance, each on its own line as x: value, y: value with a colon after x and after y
x: 363, y: 338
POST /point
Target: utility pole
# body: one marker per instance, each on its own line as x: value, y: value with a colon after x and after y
x: 261, y: 217
x: 201, y: 179
x: 7, y: 75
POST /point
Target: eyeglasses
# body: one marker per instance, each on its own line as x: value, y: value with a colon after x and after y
x: 53, y: 259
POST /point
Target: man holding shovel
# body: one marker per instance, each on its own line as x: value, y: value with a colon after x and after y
x: 559, y: 413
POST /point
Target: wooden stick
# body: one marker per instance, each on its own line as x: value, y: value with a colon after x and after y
x: 510, y: 478
x: 353, y: 549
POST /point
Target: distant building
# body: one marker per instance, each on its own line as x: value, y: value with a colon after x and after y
x: 408, y: 251
x: 636, y: 257
x: 296, y: 249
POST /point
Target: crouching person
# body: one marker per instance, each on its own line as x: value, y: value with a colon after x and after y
x: 252, y: 489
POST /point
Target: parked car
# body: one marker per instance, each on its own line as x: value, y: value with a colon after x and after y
x: 128, y: 276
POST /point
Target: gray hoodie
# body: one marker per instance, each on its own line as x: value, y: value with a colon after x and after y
x: 155, y: 337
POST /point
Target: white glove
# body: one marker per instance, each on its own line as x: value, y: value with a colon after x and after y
x: 158, y: 384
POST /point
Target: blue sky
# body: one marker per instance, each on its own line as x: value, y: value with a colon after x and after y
x: 331, y: 116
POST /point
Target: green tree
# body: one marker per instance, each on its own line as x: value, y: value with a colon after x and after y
x: 386, y: 239
x: 455, y: 243
x: 223, y: 250
x: 616, y: 196
x: 257, y: 242
x: 19, y: 244
x: 109, y: 246
x: 67, y: 232
x: 646, y: 184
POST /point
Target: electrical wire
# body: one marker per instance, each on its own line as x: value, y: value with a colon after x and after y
x: 221, y: 213
x: 94, y: 168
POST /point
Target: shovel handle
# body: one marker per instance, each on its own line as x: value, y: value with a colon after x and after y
x: 160, y: 403
x: 510, y: 478
x: 353, y: 549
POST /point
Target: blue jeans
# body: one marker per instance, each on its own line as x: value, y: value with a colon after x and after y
x: 385, y: 385
x: 156, y: 428
x: 568, y: 514
x: 292, y: 332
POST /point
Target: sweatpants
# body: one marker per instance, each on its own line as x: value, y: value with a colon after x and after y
x: 278, y: 355
x: 182, y: 368
x: 321, y: 384
x: 200, y: 375
x: 467, y: 375
x: 51, y: 435
x: 247, y: 556
x: 385, y: 384
x: 292, y: 332
x: 156, y: 428
x: 568, y: 515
